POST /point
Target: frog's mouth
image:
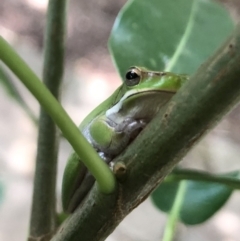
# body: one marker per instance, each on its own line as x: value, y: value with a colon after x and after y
x: 117, y: 107
x: 132, y: 93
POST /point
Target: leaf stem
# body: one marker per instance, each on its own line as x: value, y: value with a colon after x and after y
x: 186, y: 174
x: 174, y: 213
x: 86, y: 152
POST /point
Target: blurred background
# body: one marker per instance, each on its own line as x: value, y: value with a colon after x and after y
x: 90, y: 77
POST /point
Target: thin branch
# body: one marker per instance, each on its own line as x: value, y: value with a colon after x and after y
x: 196, y: 108
x: 193, y: 175
x: 43, y: 215
x: 174, y: 212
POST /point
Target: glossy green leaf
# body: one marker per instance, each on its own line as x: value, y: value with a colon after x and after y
x: 202, y: 199
x: 168, y: 35
x: 11, y: 89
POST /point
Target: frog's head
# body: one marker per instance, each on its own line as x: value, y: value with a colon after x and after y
x: 143, y: 93
x: 142, y: 79
x: 139, y: 81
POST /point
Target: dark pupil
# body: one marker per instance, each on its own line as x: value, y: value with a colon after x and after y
x: 132, y: 78
x: 131, y: 75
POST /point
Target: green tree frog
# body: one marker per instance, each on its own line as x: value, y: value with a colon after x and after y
x: 116, y: 122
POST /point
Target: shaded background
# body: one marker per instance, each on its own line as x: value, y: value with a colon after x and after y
x: 89, y: 78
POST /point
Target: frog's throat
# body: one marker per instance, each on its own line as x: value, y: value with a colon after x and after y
x: 118, y: 105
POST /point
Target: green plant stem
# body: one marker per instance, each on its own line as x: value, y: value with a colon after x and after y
x: 43, y: 215
x: 185, y: 174
x: 173, y: 216
x: 86, y: 152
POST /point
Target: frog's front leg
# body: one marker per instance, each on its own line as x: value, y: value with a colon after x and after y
x: 131, y: 127
x: 110, y: 137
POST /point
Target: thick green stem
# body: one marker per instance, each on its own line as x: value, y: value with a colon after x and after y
x: 86, y: 152
x: 43, y: 215
x: 99, y: 169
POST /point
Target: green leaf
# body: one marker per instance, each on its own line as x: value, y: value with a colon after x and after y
x: 11, y: 89
x: 202, y: 199
x: 168, y: 35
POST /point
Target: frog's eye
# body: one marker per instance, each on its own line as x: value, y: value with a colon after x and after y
x: 133, y: 77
